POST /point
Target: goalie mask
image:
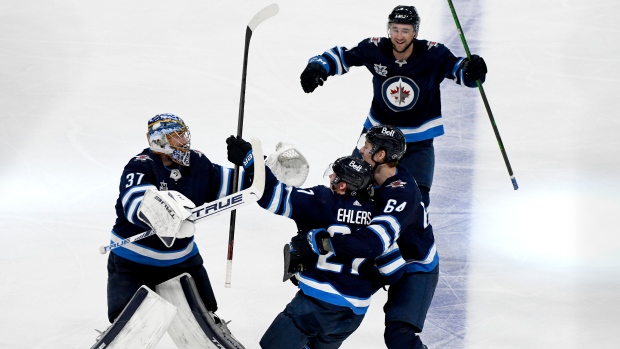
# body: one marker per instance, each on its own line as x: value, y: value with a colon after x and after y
x: 354, y: 171
x: 168, y: 134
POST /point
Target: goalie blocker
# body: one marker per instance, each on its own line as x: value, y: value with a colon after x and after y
x: 176, y: 308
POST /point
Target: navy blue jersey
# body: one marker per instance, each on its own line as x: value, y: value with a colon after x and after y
x: 201, y: 182
x: 336, y: 278
x: 406, y: 93
x: 401, y: 217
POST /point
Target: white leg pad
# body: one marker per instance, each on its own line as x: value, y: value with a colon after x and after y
x: 194, y: 327
x: 141, y: 324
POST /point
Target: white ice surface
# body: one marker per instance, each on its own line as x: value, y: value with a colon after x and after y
x: 533, y: 268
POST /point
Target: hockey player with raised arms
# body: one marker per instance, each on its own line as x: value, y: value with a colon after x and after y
x: 407, y: 73
x: 335, y: 291
x: 156, y: 187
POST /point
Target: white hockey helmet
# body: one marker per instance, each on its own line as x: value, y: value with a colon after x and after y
x: 168, y: 134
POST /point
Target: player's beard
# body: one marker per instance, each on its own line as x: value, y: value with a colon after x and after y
x: 403, y: 50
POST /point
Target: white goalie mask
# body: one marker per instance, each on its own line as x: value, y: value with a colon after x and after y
x: 168, y: 134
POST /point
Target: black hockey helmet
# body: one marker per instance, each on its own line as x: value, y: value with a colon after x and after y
x: 405, y: 15
x: 389, y: 138
x: 354, y: 171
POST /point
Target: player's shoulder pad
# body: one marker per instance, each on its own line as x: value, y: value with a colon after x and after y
x: 374, y: 41
x: 398, y: 183
x: 142, y: 157
x: 142, y: 160
x: 434, y: 46
x: 198, y: 152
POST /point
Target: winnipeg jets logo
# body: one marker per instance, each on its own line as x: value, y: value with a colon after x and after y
x: 381, y: 70
x: 163, y: 186
x: 142, y: 158
x: 400, y: 93
x: 375, y: 41
x: 397, y: 184
x: 431, y: 44
x: 175, y: 174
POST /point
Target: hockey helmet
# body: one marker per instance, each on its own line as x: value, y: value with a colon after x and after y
x: 168, y: 134
x: 405, y: 15
x: 354, y: 171
x: 389, y: 138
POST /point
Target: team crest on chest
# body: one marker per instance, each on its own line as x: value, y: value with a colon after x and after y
x: 400, y: 93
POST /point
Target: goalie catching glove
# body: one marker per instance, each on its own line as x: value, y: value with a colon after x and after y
x: 165, y: 212
x: 287, y: 163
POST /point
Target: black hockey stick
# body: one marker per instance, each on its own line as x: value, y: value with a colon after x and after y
x: 484, y: 99
x: 261, y: 16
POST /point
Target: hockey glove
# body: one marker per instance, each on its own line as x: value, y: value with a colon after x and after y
x: 302, y: 256
x: 475, y: 68
x: 240, y: 152
x: 313, y: 76
x: 319, y: 241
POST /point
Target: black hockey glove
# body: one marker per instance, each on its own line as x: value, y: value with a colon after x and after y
x: 302, y: 255
x: 240, y: 152
x: 319, y: 241
x: 474, y: 69
x: 298, y: 256
x: 312, y: 77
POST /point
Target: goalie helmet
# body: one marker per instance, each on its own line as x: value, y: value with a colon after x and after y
x: 354, y: 171
x: 168, y: 134
x: 405, y: 15
x: 388, y: 138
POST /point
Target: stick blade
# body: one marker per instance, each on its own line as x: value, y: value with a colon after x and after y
x: 262, y: 15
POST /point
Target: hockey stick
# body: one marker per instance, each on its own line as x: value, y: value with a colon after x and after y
x: 261, y: 16
x: 213, y: 208
x: 485, y: 100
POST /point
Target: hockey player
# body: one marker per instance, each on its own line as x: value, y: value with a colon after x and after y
x: 410, y: 297
x: 407, y: 73
x: 168, y: 164
x: 333, y: 296
x: 404, y: 217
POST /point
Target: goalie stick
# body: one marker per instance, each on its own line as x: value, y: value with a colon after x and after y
x: 224, y: 204
x: 258, y: 18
